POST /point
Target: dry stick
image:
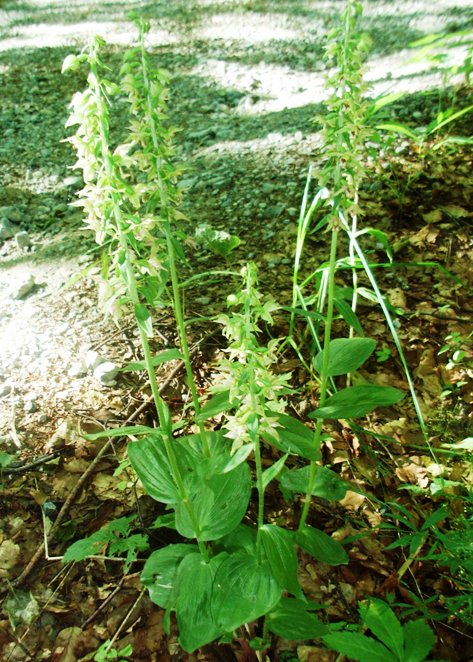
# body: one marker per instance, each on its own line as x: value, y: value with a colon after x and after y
x: 102, y: 606
x: 18, y: 642
x: 127, y: 616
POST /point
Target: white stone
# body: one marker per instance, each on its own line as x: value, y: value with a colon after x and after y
x: 106, y: 373
x: 77, y: 369
x: 93, y: 360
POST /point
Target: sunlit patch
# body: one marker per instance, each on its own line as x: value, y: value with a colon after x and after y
x: 42, y: 35
x: 250, y: 27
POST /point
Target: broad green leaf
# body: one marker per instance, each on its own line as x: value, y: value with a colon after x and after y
x: 348, y: 315
x: 418, y: 641
x: 280, y: 552
x: 395, y: 127
x: 295, y: 438
x: 82, y: 549
x: 219, y: 504
x: 244, y: 590
x: 291, y: 619
x: 194, y: 585
x: 160, y: 571
x: 216, y: 405
x: 219, y: 455
x: 163, y: 357
x: 358, y: 647
x: 328, y: 485
x: 149, y: 459
x: 383, y: 623
x: 119, y: 432
x: 358, y: 401
x: 321, y: 546
x: 242, y: 538
x: 345, y: 355
x: 273, y: 471
x: 144, y: 319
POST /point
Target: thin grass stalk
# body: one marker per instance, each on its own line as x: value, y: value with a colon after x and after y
x: 392, y: 329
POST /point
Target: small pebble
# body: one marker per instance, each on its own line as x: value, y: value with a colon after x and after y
x: 106, y: 373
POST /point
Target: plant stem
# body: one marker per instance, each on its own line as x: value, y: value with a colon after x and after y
x: 324, y: 371
x: 252, y: 388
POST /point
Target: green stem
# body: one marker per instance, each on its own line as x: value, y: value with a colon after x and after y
x: 254, y: 433
x: 324, y: 378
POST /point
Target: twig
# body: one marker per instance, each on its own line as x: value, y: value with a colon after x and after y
x: 19, y: 643
x: 26, y: 466
x: 125, y: 620
x: 102, y: 606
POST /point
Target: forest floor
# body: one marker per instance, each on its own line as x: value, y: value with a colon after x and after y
x: 247, y: 81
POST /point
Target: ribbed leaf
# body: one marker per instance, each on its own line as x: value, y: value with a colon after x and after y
x: 295, y: 438
x: 219, y: 505
x: 321, y: 546
x: 345, y: 355
x: 291, y: 619
x: 358, y: 401
x: 194, y: 585
x: 160, y: 571
x: 279, y: 549
x: 383, y: 623
x: 328, y: 485
x: 149, y: 459
x: 244, y: 590
x: 358, y: 647
x: 419, y: 641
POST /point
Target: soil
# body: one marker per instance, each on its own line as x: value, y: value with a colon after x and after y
x: 247, y: 85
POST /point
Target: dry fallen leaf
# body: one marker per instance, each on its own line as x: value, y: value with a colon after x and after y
x: 9, y: 556
x: 66, y: 645
x: 413, y: 474
x: 434, y: 216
